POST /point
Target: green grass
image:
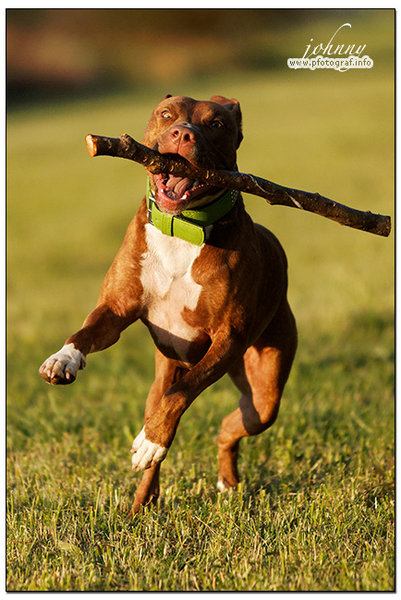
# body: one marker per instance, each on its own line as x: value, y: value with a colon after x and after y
x: 315, y: 508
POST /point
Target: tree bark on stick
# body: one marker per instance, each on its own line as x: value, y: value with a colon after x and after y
x: 126, y: 147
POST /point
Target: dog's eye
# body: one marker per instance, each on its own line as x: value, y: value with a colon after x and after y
x: 216, y: 124
x: 166, y: 114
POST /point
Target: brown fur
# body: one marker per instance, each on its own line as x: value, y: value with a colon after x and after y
x: 243, y: 321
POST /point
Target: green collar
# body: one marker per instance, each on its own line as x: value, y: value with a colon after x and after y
x: 194, y: 226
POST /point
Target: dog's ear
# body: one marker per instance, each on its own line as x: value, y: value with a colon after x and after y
x: 223, y: 100
x: 233, y: 105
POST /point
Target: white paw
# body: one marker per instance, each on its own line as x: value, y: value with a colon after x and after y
x: 221, y: 486
x: 146, y: 453
x: 62, y: 367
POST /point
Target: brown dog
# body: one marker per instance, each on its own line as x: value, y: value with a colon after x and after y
x: 210, y: 285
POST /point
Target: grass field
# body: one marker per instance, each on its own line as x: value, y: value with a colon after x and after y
x: 315, y: 509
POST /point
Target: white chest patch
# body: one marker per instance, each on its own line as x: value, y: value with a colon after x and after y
x: 168, y: 287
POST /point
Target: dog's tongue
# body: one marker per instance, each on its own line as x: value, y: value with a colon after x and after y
x: 178, y: 185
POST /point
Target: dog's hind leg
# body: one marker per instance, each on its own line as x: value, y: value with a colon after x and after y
x: 260, y: 376
x: 148, y: 490
x: 167, y: 372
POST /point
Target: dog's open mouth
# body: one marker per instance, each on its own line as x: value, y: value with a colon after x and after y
x: 175, y: 193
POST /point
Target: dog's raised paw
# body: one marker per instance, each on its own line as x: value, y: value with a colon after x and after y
x: 146, y: 453
x: 62, y: 367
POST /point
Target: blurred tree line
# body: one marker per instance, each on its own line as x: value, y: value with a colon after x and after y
x: 64, y: 52
x: 57, y: 51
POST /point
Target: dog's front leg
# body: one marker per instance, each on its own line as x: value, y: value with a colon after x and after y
x: 151, y: 445
x: 101, y: 329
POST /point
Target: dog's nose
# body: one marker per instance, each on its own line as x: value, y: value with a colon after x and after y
x: 182, y: 135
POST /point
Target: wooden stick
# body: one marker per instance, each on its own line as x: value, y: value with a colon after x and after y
x: 126, y: 147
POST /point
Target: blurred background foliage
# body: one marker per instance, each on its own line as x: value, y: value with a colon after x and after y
x: 65, y: 53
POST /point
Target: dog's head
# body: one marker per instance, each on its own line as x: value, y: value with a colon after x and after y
x: 206, y: 133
